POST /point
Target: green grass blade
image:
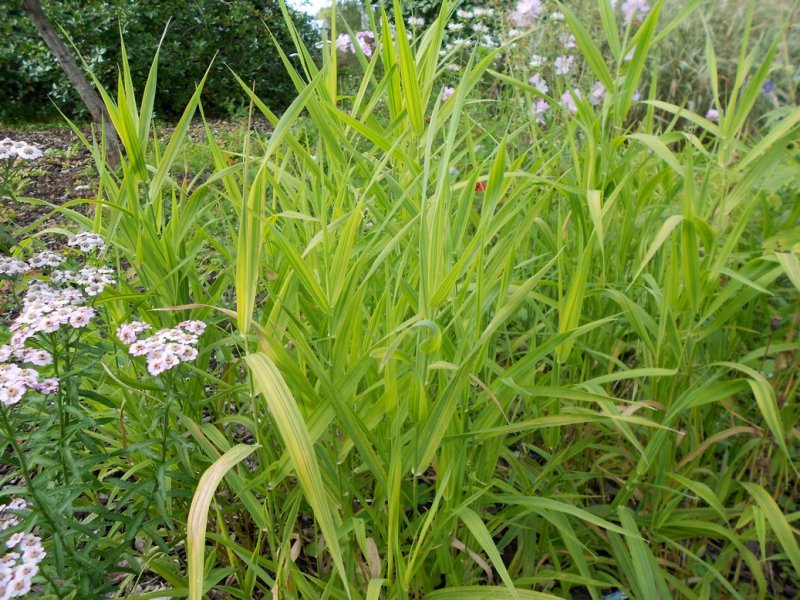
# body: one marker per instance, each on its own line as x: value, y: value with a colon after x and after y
x: 198, y: 514
x: 270, y: 384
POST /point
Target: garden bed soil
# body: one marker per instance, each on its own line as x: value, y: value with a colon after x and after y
x: 64, y: 173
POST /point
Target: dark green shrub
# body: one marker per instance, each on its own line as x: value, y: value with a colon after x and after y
x: 237, y: 32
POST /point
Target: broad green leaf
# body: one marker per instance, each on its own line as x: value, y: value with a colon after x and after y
x: 270, y: 384
x: 198, y: 514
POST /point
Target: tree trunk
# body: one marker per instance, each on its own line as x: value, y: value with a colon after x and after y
x: 88, y: 94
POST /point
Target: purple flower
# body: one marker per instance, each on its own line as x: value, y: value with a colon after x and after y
x: 768, y: 86
x: 712, y: 114
x: 568, y: 101
x: 563, y: 64
x: 539, y: 108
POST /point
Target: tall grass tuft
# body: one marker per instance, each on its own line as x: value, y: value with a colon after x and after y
x: 480, y: 356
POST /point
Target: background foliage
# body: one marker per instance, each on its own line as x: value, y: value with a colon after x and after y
x: 236, y: 32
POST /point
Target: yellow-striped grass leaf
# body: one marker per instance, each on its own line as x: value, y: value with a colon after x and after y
x: 419, y: 538
x: 408, y: 74
x: 544, y: 506
x: 778, y: 521
x: 594, y: 198
x: 198, y: 514
x: 389, y: 58
x: 374, y: 589
x: 635, y: 67
x: 660, y: 149
x: 648, y: 577
x: 487, y: 593
x: 481, y: 534
x: 588, y: 48
x: 269, y: 382
x: 702, y: 491
x: 175, y: 143
x: 764, y: 395
x: 571, y: 308
x: 610, y: 29
x: 791, y: 266
x: 663, y: 233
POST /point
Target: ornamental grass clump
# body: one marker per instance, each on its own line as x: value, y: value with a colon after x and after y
x: 458, y: 347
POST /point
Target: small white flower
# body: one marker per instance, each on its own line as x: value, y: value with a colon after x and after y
x: 12, y: 266
x: 81, y: 317
x: 156, y: 366
x: 139, y: 348
x: 712, y: 114
x: 187, y: 353
x: 29, y: 152
x: 46, y: 258
x: 567, y: 41
x: 48, y: 386
x: 447, y: 92
x: 40, y: 358
x: 87, y: 241
x: 537, y: 60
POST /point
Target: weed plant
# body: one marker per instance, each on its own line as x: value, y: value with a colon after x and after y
x: 453, y: 350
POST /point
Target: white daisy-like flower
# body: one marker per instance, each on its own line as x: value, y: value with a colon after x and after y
x: 29, y: 152
x: 81, y: 316
x: 40, y: 358
x: 13, y: 266
x: 87, y: 241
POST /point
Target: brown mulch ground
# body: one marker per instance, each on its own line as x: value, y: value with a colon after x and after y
x: 67, y: 172
x: 64, y: 173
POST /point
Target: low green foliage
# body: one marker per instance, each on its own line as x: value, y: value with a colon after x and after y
x: 235, y: 35
x: 471, y: 353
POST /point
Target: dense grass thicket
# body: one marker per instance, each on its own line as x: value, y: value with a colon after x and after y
x: 460, y: 326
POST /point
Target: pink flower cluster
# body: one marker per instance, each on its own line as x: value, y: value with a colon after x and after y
x: 93, y: 279
x: 365, y: 40
x: 14, y: 382
x: 46, y: 309
x: 20, y: 564
x: 526, y: 13
x: 633, y: 9
x: 166, y: 348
